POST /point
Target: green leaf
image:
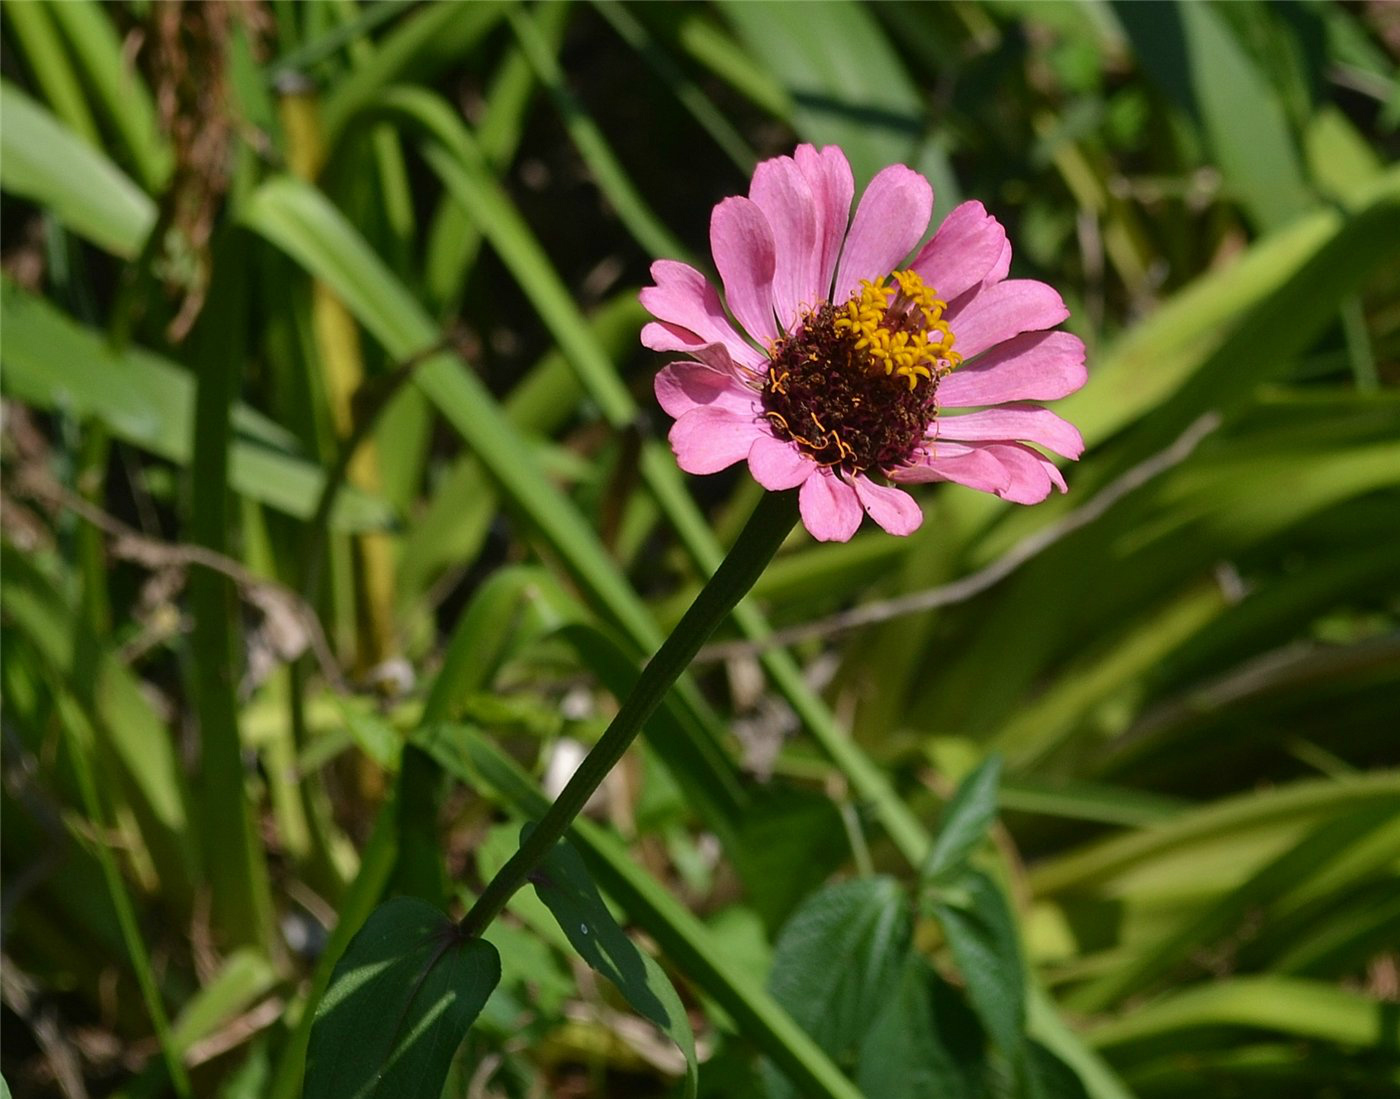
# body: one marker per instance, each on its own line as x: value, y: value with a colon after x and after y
x: 245, y: 977
x: 1190, y: 50
x: 399, y: 1003
x: 1047, y: 1077
x: 838, y: 961
x: 55, y: 363
x: 790, y: 841
x: 118, y: 90
x: 924, y: 1042
x: 1184, y: 851
x: 1341, y: 843
x: 964, y: 822
x: 49, y: 65
x: 848, y: 85
x: 44, y: 161
x: 981, y: 933
x: 432, y: 38
x: 1299, y: 1008
x: 561, y: 881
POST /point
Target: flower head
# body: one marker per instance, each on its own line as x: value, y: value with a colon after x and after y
x: 852, y: 371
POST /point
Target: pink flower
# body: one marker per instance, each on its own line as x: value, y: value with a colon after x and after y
x: 841, y: 374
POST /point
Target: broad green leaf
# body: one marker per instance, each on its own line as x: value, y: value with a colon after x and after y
x: 964, y: 822
x: 357, y: 905
x: 562, y: 883
x: 399, y: 1003
x: 790, y: 841
x: 45, y: 162
x: 981, y: 934
x: 924, y: 1042
x: 838, y: 961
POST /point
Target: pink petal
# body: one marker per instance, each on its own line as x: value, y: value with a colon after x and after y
x: 894, y: 510
x: 778, y: 465
x: 683, y: 386
x: 1007, y: 309
x: 707, y: 440
x: 781, y: 191
x: 892, y: 216
x: 684, y: 299
x: 742, y: 242
x: 830, y: 510
x: 963, y: 251
x: 1010, y: 424
x: 974, y: 468
x: 660, y: 336
x: 1001, y: 267
x: 1032, y: 474
x: 828, y: 176
x: 1036, y: 366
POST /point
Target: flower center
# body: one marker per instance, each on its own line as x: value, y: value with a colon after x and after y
x: 856, y: 387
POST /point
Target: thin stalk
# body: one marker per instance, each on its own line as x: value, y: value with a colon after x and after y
x: 234, y: 862
x: 769, y: 525
x: 82, y: 747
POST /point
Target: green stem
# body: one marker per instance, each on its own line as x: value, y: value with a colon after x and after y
x: 82, y: 752
x: 770, y: 523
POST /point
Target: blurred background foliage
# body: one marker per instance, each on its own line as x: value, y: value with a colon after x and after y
x: 328, y: 440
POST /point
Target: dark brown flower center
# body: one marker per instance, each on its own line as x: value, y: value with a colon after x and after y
x: 838, y: 404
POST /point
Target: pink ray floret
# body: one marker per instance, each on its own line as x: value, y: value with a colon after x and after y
x: 790, y: 257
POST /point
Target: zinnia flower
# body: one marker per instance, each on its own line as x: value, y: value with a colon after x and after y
x: 847, y: 360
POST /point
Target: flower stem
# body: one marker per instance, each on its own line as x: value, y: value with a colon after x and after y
x: 768, y: 526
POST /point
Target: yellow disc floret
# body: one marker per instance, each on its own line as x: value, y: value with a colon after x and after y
x: 900, y: 328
